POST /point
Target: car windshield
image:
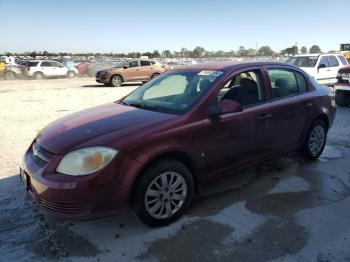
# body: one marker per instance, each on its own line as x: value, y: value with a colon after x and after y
x: 303, y: 61
x: 173, y: 92
x: 118, y: 64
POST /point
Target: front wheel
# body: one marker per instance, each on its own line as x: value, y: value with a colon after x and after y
x: 162, y: 193
x: 316, y: 140
x: 9, y: 75
x: 116, y: 81
x: 154, y: 75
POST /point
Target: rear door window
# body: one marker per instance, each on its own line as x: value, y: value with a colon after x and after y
x: 332, y: 61
x: 145, y: 63
x: 55, y: 64
x: 285, y: 82
x: 32, y: 63
x: 46, y: 64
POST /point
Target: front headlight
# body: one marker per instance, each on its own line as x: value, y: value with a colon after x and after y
x: 86, y: 161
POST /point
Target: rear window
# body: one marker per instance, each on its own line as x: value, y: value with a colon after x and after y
x: 342, y: 60
x: 32, y: 63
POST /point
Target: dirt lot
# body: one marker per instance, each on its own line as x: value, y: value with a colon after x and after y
x: 286, y: 210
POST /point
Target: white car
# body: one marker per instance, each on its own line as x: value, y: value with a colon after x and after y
x: 323, y: 67
x: 47, y: 68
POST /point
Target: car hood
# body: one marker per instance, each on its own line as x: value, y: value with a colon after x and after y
x: 79, y: 127
x: 345, y: 69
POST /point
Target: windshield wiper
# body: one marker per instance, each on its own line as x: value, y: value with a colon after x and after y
x: 145, y: 106
x: 124, y: 102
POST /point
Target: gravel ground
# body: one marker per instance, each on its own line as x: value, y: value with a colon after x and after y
x: 285, y: 210
x: 29, y: 105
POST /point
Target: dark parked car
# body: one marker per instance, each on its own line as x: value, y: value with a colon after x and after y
x: 342, y: 87
x: 152, y: 150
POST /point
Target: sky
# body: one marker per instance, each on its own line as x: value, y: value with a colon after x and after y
x: 126, y: 26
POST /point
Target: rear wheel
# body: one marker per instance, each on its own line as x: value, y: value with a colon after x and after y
x: 70, y: 74
x: 38, y: 75
x: 116, y: 80
x: 315, y: 141
x: 162, y: 193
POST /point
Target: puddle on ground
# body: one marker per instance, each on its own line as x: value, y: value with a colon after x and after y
x: 241, y: 187
x: 324, y: 189
x: 202, y: 240
x: 257, y: 191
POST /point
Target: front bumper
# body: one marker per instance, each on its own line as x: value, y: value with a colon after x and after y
x: 102, y: 78
x: 97, y: 195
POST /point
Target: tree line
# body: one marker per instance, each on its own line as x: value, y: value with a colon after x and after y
x: 198, y: 52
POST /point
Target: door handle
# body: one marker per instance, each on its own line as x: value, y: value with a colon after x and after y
x: 306, y: 105
x: 264, y: 116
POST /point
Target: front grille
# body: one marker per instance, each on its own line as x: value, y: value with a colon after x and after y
x: 40, y: 155
x: 59, y: 208
x: 64, y: 208
x: 37, y: 160
x: 42, y: 150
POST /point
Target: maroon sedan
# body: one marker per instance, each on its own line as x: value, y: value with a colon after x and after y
x: 152, y: 150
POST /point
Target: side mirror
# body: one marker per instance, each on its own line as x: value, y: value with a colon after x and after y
x: 225, y: 106
x: 125, y: 66
x: 321, y: 66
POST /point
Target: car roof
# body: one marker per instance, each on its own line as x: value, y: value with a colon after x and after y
x: 318, y: 54
x: 229, y: 66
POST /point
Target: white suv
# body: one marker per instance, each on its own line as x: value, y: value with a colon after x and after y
x: 323, y: 67
x: 47, y: 68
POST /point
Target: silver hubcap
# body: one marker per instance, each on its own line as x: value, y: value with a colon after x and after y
x: 116, y: 80
x: 165, y: 195
x: 316, y: 140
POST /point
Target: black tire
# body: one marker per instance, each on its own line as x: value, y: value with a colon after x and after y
x: 308, y: 151
x: 347, y: 98
x: 38, y: 75
x: 71, y: 74
x: 9, y: 75
x: 116, y: 80
x: 155, y: 75
x: 340, y: 98
x: 149, y: 177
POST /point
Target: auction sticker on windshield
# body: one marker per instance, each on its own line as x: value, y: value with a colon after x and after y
x: 210, y: 73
